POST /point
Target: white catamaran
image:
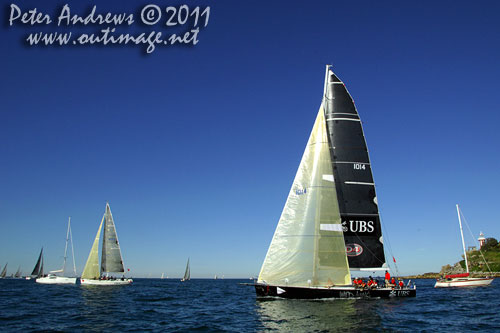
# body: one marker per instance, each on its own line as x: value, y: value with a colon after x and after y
x: 330, y: 223
x: 52, y: 277
x: 111, y: 256
x: 463, y: 279
x: 187, y: 273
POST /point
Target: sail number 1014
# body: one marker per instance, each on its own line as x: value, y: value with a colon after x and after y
x: 359, y: 166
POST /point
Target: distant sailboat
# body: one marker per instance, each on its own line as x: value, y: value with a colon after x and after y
x: 18, y: 273
x: 4, y: 272
x: 330, y: 224
x: 52, y: 278
x: 463, y: 279
x: 187, y: 273
x: 111, y: 256
x: 162, y: 274
x: 38, y: 270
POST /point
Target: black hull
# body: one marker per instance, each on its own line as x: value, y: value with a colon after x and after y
x: 315, y: 293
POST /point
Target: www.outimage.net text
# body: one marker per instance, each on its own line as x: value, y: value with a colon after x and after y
x: 189, y: 20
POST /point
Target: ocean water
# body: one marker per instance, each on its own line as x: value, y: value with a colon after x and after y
x: 225, y: 306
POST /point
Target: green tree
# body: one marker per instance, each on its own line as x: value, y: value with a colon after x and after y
x: 489, y: 244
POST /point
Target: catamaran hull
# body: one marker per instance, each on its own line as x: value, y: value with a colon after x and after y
x: 470, y: 282
x: 56, y: 280
x: 340, y: 292
x: 105, y: 282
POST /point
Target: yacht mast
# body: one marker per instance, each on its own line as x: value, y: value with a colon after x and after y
x: 463, y: 242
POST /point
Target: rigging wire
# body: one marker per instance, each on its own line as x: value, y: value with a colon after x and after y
x: 479, y: 247
x: 388, y: 247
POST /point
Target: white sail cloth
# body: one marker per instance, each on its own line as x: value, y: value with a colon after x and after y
x: 111, y: 259
x: 308, y: 248
x: 91, y: 270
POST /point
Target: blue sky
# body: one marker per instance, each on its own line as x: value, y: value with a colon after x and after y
x: 196, y: 147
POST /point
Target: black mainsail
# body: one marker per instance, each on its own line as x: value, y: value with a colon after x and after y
x: 38, y: 270
x: 353, y: 178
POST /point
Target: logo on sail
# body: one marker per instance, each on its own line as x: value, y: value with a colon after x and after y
x: 358, y: 226
x: 301, y: 191
x: 353, y: 250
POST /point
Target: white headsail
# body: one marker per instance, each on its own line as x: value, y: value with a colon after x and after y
x: 308, y: 246
x: 91, y: 270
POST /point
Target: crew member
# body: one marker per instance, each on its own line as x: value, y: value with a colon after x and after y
x: 387, y: 278
x: 393, y: 282
x: 371, y: 283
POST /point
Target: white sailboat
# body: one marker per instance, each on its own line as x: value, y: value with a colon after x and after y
x: 187, y: 273
x: 330, y: 223
x: 111, y: 256
x: 463, y: 279
x: 52, y: 277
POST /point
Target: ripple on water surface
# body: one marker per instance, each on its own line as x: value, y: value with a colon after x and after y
x: 223, y: 305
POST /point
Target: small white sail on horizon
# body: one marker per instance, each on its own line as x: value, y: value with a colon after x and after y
x: 187, y: 273
x: 18, y: 273
x: 3, y: 274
